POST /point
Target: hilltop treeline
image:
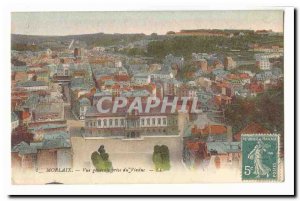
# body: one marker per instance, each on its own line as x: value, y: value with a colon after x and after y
x: 186, y: 45
x: 24, y: 42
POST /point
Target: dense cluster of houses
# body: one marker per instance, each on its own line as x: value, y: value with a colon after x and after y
x: 50, y: 80
x: 40, y: 135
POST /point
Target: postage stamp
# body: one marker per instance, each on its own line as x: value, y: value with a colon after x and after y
x: 260, y: 159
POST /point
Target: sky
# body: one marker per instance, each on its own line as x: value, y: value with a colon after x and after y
x: 72, y: 23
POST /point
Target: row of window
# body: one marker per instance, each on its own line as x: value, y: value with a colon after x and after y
x: 155, y: 121
x: 105, y: 122
x: 146, y: 131
x: 121, y: 122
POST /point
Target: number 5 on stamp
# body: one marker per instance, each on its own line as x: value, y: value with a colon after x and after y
x: 260, y: 157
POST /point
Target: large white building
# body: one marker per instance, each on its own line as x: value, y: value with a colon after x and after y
x: 122, y: 124
x: 118, y: 64
x: 63, y: 70
x: 263, y: 64
x: 142, y: 78
x: 162, y: 75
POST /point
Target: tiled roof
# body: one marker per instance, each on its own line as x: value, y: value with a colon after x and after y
x: 141, y: 75
x: 32, y: 100
x: 135, y: 93
x: 219, y: 72
x: 55, y: 144
x: 210, y: 129
x: 57, y: 135
x: 103, y: 93
x: 48, y: 126
x: 252, y: 128
x: 19, y: 68
x: 44, y: 108
x: 24, y: 148
x: 24, y: 115
x: 223, y: 84
x: 224, y: 147
x: 31, y: 84
x: 257, y: 88
x: 109, y: 82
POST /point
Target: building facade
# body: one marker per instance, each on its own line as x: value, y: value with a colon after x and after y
x: 130, y: 125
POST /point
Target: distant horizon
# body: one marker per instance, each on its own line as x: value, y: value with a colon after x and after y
x: 138, y: 33
x: 141, y: 22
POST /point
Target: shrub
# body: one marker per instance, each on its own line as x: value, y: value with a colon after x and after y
x: 100, y: 160
x: 161, y: 158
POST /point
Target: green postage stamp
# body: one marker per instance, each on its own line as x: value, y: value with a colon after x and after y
x: 260, y: 157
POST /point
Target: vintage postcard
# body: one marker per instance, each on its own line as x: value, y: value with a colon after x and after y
x: 147, y: 97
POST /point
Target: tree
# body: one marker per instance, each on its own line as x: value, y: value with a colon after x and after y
x: 170, y: 32
x: 157, y: 159
x: 161, y: 158
x: 101, y: 160
x: 154, y: 36
x: 104, y: 156
x: 265, y: 109
x: 101, y: 149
